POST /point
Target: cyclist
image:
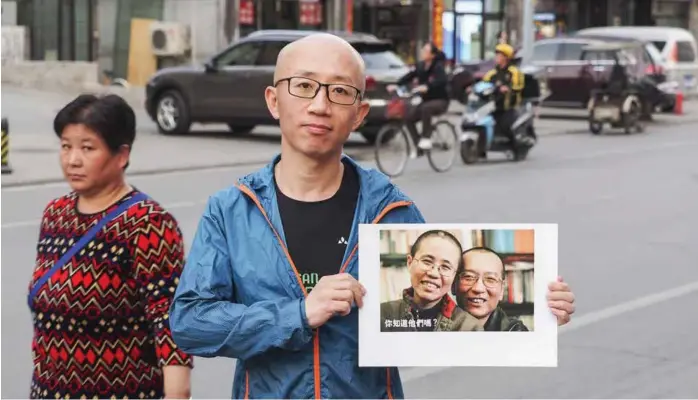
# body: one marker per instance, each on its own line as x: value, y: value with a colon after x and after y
x: 430, y: 74
x: 510, y: 81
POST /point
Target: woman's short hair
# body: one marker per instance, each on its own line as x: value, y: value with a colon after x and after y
x: 109, y: 116
x: 437, y: 233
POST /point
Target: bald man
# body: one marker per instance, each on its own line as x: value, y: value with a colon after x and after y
x: 271, y: 278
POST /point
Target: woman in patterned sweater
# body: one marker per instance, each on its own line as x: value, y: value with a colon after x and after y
x: 100, y: 314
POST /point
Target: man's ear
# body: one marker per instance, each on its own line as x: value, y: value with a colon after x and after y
x: 272, y: 101
x: 364, y: 107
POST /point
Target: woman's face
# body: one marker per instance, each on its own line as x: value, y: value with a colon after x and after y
x: 433, y: 269
x: 88, y: 164
x: 426, y: 54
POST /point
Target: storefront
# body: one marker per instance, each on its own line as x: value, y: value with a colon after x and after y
x: 282, y: 14
x: 59, y: 29
x: 470, y: 28
x: 561, y: 17
x: 464, y: 29
x: 405, y: 23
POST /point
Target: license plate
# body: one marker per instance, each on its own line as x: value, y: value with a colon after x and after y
x: 689, y: 80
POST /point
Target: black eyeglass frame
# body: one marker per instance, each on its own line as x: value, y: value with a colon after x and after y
x: 358, y: 95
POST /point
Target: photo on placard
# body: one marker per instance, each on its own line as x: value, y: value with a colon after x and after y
x: 429, y: 277
x: 470, y: 284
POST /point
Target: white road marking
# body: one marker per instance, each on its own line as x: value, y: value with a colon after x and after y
x: 591, y: 318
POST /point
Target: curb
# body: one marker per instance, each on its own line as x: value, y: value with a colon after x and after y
x: 158, y: 171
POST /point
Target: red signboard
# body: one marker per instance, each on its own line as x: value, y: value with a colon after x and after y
x: 246, y: 15
x: 310, y: 12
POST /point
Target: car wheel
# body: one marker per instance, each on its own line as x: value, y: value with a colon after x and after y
x: 241, y: 129
x: 172, y: 114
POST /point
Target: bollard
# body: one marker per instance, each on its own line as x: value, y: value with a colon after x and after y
x: 6, y: 168
x: 678, y: 104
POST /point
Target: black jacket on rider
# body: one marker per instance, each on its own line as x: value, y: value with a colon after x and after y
x: 511, y: 77
x: 433, y: 76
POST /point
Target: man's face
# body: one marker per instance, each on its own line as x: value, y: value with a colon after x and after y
x: 480, y: 288
x: 317, y: 127
x: 432, y: 270
x: 500, y: 59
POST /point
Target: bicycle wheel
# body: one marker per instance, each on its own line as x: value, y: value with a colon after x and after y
x: 445, y: 146
x: 392, y: 149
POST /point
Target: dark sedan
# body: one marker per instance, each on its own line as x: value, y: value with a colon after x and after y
x: 229, y: 88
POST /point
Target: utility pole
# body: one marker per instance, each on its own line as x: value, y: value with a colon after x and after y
x: 527, y: 29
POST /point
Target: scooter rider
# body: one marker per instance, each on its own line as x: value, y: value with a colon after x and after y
x: 510, y: 81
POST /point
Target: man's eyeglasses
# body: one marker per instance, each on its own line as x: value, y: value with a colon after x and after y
x: 488, y: 280
x: 427, y: 264
x: 307, y: 88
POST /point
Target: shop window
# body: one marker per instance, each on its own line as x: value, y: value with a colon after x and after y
x: 493, y: 6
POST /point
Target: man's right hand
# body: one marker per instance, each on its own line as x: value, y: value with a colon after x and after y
x: 333, y: 295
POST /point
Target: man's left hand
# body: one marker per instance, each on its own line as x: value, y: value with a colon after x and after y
x: 422, y: 88
x: 561, y: 301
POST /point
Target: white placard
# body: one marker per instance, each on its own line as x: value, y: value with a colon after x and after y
x: 534, y: 348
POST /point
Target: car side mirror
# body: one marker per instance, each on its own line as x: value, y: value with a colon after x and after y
x: 209, y: 66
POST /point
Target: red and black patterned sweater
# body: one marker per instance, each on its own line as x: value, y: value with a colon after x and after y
x: 101, y: 326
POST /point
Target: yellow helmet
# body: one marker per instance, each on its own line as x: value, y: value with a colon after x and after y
x: 505, y: 49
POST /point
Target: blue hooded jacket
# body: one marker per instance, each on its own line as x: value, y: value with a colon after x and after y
x: 240, y: 296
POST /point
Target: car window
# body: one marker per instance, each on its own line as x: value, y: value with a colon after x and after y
x: 270, y: 52
x: 599, y: 57
x: 654, y: 54
x: 571, y: 51
x: 685, y: 52
x: 544, y: 52
x: 379, y: 56
x: 659, y: 44
x: 240, y: 54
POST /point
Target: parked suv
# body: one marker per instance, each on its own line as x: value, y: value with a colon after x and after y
x: 229, y: 88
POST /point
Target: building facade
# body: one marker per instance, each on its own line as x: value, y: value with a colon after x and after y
x: 563, y: 17
x: 99, y: 30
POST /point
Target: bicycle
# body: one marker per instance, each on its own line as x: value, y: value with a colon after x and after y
x: 395, y: 132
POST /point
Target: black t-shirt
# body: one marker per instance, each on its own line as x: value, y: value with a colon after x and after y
x: 317, y: 233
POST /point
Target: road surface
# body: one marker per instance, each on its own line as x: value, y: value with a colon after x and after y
x: 626, y: 208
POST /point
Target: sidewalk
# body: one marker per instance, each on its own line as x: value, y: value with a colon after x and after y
x: 35, y: 158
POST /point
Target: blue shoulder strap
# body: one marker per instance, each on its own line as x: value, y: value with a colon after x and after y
x: 86, y: 238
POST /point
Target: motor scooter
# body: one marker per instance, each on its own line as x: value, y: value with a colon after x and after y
x: 479, y: 133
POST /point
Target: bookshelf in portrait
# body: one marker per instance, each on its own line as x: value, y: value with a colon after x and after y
x: 517, y: 249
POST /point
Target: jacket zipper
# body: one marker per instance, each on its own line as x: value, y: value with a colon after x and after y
x: 316, y: 334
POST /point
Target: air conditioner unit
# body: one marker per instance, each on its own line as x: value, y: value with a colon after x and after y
x: 169, y: 38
